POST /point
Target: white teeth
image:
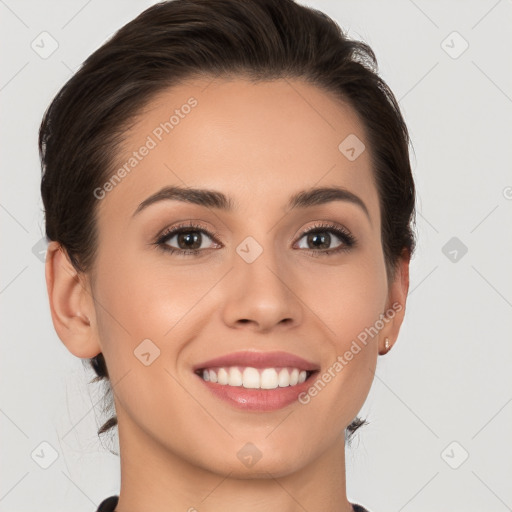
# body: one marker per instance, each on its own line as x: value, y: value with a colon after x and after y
x: 269, y: 379
x: 235, y: 377
x: 253, y: 378
x: 223, y: 377
x: 284, y: 378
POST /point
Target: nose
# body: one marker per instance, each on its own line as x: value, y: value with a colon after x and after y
x: 259, y: 296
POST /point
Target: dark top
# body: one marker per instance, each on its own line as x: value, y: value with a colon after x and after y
x: 109, y: 504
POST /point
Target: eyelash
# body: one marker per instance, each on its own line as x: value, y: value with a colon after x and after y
x: 348, y: 240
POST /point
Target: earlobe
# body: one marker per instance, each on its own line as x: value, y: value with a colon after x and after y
x: 71, y: 304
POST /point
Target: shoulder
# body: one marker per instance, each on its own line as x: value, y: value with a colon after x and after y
x: 108, y: 504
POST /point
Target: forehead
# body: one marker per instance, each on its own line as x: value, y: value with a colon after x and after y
x: 250, y: 140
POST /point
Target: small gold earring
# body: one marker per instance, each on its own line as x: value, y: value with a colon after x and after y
x: 386, y: 344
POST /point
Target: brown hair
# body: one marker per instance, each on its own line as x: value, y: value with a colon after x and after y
x: 182, y: 39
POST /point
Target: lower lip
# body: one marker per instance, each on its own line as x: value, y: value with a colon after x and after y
x: 258, y: 399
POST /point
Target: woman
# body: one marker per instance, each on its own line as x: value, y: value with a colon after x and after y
x: 228, y: 201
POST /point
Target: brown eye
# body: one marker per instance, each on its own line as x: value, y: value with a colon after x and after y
x: 320, y: 238
x: 189, y: 239
x: 186, y: 239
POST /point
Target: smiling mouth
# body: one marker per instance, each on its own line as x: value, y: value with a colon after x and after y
x: 255, y: 378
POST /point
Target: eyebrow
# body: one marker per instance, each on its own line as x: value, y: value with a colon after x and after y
x: 218, y: 200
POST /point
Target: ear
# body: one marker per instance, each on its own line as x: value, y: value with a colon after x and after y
x: 395, y: 306
x: 71, y: 303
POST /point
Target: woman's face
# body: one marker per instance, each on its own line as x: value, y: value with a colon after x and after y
x: 258, y: 282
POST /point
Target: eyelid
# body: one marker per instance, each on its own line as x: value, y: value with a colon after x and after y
x: 192, y: 225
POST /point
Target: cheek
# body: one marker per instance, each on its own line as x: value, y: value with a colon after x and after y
x: 349, y: 304
x: 141, y: 312
x: 347, y: 298
x: 125, y: 294
x: 139, y: 299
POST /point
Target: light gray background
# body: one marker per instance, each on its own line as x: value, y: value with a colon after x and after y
x: 448, y: 378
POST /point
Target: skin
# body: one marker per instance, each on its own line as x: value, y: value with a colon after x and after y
x: 258, y: 144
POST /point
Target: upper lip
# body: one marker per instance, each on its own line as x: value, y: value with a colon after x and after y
x: 259, y: 360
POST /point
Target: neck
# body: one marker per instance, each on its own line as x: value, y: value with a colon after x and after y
x: 154, y: 478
